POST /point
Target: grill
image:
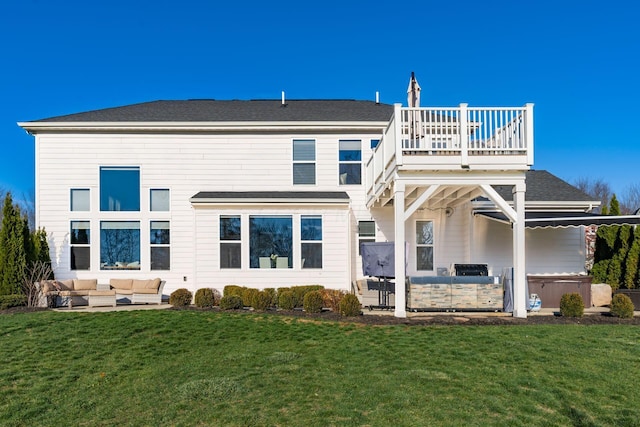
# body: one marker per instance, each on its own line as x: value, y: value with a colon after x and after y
x: 471, y: 269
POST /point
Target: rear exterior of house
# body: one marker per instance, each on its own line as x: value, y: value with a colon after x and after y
x: 269, y: 194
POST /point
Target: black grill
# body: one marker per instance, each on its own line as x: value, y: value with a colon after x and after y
x: 471, y: 269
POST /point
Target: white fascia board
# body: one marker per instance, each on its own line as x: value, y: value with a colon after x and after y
x: 36, y: 127
x: 269, y: 201
x: 543, y: 205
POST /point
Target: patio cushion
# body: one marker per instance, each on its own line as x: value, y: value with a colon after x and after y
x: 124, y: 291
x: 139, y: 284
x: 85, y: 285
x: 153, y: 284
x: 121, y: 283
x: 101, y: 293
x: 64, y: 285
x: 49, y: 286
x: 74, y: 293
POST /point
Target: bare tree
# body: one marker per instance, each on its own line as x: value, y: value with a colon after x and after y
x: 32, y: 279
x: 596, y: 188
x: 630, y: 200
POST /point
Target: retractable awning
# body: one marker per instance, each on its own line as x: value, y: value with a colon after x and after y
x: 561, y: 219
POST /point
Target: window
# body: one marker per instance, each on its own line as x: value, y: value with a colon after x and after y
x: 80, y: 245
x: 350, y: 162
x: 159, y: 241
x: 304, y: 161
x: 366, y: 233
x: 270, y: 241
x: 159, y: 200
x: 374, y: 143
x: 311, y: 241
x: 120, y: 245
x: 120, y: 188
x: 230, y: 244
x: 424, y: 245
x: 80, y: 200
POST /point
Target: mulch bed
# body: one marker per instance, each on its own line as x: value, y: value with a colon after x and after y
x: 423, y: 319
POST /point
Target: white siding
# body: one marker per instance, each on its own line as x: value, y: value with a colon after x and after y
x: 188, y: 164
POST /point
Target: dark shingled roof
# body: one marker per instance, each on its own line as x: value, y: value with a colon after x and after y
x: 202, y: 110
x: 280, y: 195
x: 545, y: 187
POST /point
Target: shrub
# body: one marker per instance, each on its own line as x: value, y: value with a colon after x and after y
x: 206, y: 297
x: 286, y: 300
x: 232, y: 290
x: 331, y: 298
x: 300, y: 291
x: 274, y: 296
x: 247, y: 296
x: 13, y: 300
x: 261, y: 300
x: 313, y: 302
x: 622, y: 306
x: 571, y: 305
x: 350, y: 306
x: 230, y: 302
x: 180, y: 298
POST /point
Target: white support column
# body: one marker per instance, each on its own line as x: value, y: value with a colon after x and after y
x: 399, y: 223
x: 464, y: 136
x: 519, y: 264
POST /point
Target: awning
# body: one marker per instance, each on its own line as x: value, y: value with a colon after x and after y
x: 561, y: 219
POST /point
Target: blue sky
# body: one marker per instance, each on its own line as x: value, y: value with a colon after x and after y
x: 577, y: 61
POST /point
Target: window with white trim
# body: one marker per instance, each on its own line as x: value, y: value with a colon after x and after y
x: 350, y: 162
x: 80, y: 200
x: 120, y: 245
x: 424, y: 245
x: 304, y: 161
x: 311, y: 241
x: 80, y: 241
x: 119, y: 188
x: 366, y: 233
x: 159, y: 200
x: 230, y: 241
x: 160, y: 245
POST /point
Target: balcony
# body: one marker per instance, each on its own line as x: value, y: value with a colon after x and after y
x: 451, y: 140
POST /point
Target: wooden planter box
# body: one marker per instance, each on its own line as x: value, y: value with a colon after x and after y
x: 634, y: 294
x: 551, y: 288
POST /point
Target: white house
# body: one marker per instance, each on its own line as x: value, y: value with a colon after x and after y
x: 268, y: 193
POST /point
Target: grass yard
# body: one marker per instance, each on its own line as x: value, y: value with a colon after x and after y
x: 190, y: 368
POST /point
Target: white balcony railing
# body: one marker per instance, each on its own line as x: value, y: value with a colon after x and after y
x: 462, y: 134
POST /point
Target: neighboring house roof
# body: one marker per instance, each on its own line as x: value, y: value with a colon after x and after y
x: 542, y: 186
x: 271, y: 197
x: 204, y: 110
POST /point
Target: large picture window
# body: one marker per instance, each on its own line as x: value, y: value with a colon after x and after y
x: 159, y: 241
x: 270, y: 241
x: 311, y: 241
x: 120, y: 245
x: 80, y: 240
x: 424, y: 245
x: 350, y: 162
x: 230, y: 242
x: 120, y: 188
x: 304, y: 161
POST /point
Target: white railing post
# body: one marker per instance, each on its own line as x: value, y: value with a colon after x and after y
x: 464, y: 136
x: 398, y: 131
x: 528, y: 126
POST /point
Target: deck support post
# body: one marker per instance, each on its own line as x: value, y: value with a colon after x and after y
x: 399, y: 231
x: 519, y: 264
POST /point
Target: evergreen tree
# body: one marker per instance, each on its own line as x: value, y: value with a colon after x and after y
x: 631, y: 263
x: 612, y: 245
x: 41, y: 249
x: 614, y: 206
x: 13, y: 255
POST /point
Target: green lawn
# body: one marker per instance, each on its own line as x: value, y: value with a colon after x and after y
x: 188, y: 368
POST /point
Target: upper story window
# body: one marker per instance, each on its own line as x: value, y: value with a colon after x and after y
x: 424, y: 245
x: 304, y: 161
x: 159, y: 199
x: 80, y: 200
x: 350, y: 161
x: 374, y: 143
x: 120, y: 188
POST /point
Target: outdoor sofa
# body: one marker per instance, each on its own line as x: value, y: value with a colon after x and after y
x: 72, y: 292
